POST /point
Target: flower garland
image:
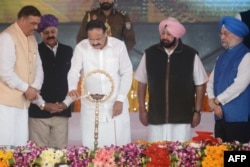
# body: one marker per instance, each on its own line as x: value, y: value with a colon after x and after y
x: 79, y: 157
x: 50, y: 157
x: 158, y: 154
x: 214, y: 156
x: 25, y: 155
x: 140, y: 154
x: 6, y: 158
x: 183, y: 154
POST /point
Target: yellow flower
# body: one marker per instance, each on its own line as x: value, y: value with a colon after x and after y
x: 50, y: 157
x: 214, y: 156
x: 6, y: 158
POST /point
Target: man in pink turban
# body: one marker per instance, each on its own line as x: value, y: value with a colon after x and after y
x: 175, y: 78
x: 173, y: 26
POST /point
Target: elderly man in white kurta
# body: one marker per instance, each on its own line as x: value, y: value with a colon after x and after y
x: 108, y: 54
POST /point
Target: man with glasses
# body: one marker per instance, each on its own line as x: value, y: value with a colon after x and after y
x: 117, y: 22
x: 228, y: 86
x: 108, y: 54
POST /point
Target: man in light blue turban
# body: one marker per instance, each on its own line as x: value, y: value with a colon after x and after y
x: 228, y: 86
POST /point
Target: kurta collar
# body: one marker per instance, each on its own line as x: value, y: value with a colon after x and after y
x: 20, y: 30
x: 179, y: 47
x: 54, y: 49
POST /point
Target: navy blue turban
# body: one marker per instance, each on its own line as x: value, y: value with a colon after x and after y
x: 235, y: 26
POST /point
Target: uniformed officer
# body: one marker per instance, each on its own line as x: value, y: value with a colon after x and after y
x: 117, y: 22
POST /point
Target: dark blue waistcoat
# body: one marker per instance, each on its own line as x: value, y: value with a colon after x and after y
x: 226, y: 69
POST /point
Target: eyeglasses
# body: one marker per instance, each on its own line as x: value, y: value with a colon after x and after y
x: 98, y: 39
x: 225, y: 34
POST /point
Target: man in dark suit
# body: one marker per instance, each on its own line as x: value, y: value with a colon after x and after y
x: 49, y: 114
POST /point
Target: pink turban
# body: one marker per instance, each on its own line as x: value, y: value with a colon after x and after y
x: 173, y: 26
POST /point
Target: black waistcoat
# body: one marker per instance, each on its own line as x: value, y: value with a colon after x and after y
x: 55, y: 85
x: 171, y: 86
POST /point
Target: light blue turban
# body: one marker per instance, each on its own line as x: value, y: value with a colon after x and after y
x: 234, y: 25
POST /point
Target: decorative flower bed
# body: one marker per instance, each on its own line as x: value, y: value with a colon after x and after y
x: 205, y: 153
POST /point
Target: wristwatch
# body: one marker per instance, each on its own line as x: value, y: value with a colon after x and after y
x: 42, y: 106
x: 197, y: 111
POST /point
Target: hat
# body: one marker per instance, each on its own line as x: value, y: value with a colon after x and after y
x: 173, y: 26
x: 47, y: 20
x: 234, y: 25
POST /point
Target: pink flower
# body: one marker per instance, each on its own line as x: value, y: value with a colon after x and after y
x: 104, y: 157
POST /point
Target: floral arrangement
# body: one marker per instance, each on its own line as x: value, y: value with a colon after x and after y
x: 205, y: 153
x: 50, y: 157
x: 112, y: 156
x: 6, y: 158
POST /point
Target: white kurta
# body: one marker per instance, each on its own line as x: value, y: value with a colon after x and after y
x: 14, y: 120
x: 241, y: 81
x: 114, y: 60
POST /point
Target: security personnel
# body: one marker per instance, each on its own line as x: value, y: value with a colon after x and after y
x: 117, y: 22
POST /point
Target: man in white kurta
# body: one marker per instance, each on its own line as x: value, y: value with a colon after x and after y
x: 21, y: 75
x: 163, y: 122
x: 100, y: 52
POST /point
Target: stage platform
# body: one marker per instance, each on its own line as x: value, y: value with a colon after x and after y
x: 139, y: 132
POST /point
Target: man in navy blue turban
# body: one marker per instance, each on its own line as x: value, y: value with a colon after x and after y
x: 228, y: 86
x: 235, y: 26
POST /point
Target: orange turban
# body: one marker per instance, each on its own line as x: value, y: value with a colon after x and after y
x: 173, y: 26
